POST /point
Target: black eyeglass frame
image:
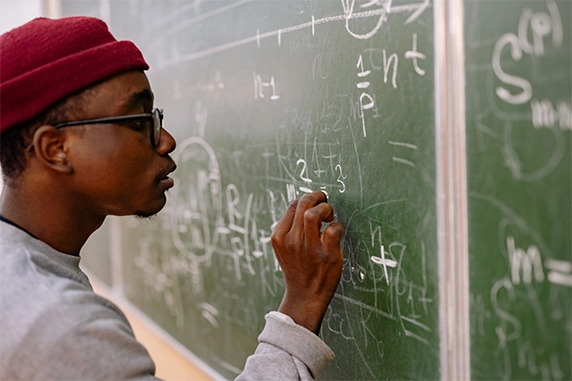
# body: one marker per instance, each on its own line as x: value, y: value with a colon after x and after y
x: 156, y: 116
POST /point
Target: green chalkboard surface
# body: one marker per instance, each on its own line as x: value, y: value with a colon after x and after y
x: 519, y: 135
x: 272, y: 99
x: 267, y: 101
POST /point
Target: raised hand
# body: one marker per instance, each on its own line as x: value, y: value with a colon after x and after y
x: 311, y: 260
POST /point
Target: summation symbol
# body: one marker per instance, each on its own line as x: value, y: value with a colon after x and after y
x: 539, y: 25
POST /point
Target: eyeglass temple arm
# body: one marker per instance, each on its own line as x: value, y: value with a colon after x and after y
x: 103, y: 120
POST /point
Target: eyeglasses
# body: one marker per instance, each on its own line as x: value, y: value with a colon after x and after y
x: 156, y: 116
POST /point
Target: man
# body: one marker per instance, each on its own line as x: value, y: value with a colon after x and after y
x: 80, y: 140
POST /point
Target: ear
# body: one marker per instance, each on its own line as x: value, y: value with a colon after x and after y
x: 51, y: 149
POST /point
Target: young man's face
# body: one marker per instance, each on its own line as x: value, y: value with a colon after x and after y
x: 116, y: 168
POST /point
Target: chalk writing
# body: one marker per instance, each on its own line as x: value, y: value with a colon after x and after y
x: 527, y: 262
x: 294, y: 117
x: 379, y: 9
x: 366, y: 101
x: 259, y: 86
x: 544, y: 114
x: 560, y: 272
x: 414, y: 55
x: 527, y: 301
x: 541, y: 25
x: 400, y: 159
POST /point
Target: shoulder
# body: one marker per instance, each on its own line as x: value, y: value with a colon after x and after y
x: 52, y: 320
x: 85, y: 340
x: 40, y: 286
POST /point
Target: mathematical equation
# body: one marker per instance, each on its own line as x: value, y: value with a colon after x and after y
x: 520, y: 310
x: 537, y: 38
x: 524, y: 308
x: 272, y: 115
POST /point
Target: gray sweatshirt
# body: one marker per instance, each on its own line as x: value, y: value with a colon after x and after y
x: 54, y: 327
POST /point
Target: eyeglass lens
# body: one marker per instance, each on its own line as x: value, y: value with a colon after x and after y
x: 157, y: 125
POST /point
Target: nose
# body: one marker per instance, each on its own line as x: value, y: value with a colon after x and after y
x: 167, y: 143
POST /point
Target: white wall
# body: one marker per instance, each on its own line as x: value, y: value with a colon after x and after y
x: 14, y: 13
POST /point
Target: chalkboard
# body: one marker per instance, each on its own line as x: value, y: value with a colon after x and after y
x: 271, y: 99
x: 519, y: 122
x: 268, y: 100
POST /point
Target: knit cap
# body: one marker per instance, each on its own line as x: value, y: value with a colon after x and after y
x: 45, y: 60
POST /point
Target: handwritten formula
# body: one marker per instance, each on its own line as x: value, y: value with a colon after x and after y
x: 295, y: 97
x: 520, y: 189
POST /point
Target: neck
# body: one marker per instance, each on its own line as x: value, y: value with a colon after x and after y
x: 65, y: 226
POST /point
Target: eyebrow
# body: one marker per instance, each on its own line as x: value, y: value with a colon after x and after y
x: 141, y: 97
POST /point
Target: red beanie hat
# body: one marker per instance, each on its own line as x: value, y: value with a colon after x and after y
x: 46, y: 60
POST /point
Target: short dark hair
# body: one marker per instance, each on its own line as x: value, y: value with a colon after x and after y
x: 15, y: 140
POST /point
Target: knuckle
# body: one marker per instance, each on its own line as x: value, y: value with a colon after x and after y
x: 305, y: 201
x: 293, y: 205
x: 311, y: 199
x: 275, y: 238
x: 312, y: 215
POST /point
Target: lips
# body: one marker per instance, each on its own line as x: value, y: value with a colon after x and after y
x: 164, y: 179
x: 167, y: 182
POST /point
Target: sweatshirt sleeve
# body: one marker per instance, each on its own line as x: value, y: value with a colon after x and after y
x: 286, y: 351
